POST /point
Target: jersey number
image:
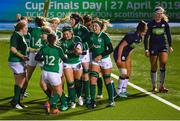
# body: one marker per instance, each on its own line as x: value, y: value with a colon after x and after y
x: 50, y: 60
x: 38, y: 43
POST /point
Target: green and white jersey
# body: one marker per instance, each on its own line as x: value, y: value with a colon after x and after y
x: 68, y: 48
x: 36, y: 41
x: 28, y: 38
x: 83, y: 33
x: 58, y: 34
x: 97, y: 43
x: 51, y: 57
x: 17, y: 41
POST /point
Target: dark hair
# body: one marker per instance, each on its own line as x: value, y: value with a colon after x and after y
x: 46, y: 30
x: 66, y: 28
x: 39, y: 21
x: 51, y: 38
x: 142, y: 26
x: 87, y: 18
x: 77, y: 18
x: 20, y: 25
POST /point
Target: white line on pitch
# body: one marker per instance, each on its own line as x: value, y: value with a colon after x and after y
x: 4, y: 38
x: 150, y: 94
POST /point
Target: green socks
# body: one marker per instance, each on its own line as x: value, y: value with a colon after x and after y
x: 110, y: 91
x: 100, y: 85
x: 87, y: 89
x: 93, y: 92
x: 78, y: 87
x: 17, y: 93
x: 71, y: 91
x: 63, y: 99
x: 47, y: 92
x: 53, y: 100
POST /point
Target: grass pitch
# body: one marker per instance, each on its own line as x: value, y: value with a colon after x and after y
x: 137, y: 106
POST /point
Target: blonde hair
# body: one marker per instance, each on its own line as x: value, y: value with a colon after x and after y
x: 104, y: 24
x: 55, y: 20
x: 160, y: 9
x: 165, y: 18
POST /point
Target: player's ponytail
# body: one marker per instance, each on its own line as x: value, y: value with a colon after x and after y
x: 165, y: 18
x: 106, y: 24
x: 141, y: 27
x: 40, y: 21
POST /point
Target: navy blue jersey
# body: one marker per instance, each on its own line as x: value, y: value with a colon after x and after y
x: 156, y: 32
x: 132, y: 39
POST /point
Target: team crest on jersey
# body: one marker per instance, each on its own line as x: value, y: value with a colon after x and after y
x: 99, y: 40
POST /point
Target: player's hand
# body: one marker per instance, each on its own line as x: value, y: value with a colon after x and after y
x: 77, y: 51
x: 118, y: 61
x: 171, y: 49
x: 147, y: 54
x: 25, y: 58
x: 44, y: 36
x: 98, y: 58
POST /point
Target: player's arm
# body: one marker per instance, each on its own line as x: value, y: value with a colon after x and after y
x: 39, y: 55
x: 120, y: 50
x: 13, y: 49
x: 62, y: 55
x: 18, y: 54
x: 169, y: 38
x: 109, y: 49
x: 78, y: 47
x: 146, y: 39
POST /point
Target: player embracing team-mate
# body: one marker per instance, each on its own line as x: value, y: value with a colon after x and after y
x: 157, y: 35
x: 122, y: 56
x: 72, y: 46
x: 50, y: 54
x: 38, y: 39
x: 81, y: 31
x: 79, y: 55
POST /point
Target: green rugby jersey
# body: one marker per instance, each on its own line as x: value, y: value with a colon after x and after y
x: 68, y: 48
x: 97, y: 43
x: 28, y: 38
x: 36, y: 41
x: 83, y: 33
x: 58, y: 34
x: 17, y: 41
x: 51, y: 57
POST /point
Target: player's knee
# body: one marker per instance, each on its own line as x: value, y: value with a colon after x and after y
x: 94, y: 74
x: 106, y: 76
x: 85, y: 71
x: 162, y: 69
x: 123, y: 72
